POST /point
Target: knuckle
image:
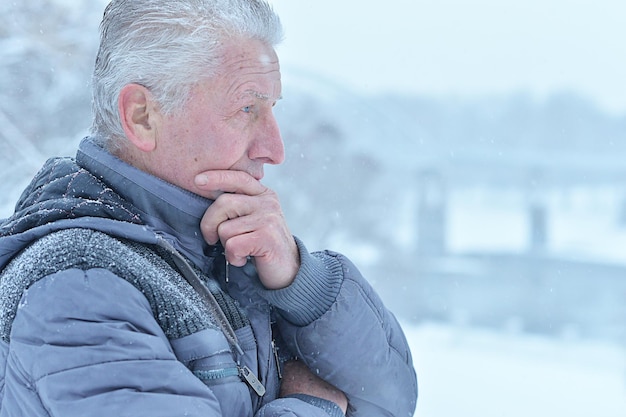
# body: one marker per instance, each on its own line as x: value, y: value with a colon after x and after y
x: 206, y: 226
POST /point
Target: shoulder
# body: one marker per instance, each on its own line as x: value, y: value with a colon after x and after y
x: 174, y: 303
x: 66, y: 249
x: 70, y: 249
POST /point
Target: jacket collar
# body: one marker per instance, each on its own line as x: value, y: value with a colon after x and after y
x: 172, y: 212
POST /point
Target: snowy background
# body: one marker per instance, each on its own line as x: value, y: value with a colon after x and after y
x: 469, y: 156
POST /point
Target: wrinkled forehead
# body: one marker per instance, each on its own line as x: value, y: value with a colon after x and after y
x: 249, y: 69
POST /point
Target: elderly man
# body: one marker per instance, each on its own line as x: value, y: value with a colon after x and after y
x: 154, y: 274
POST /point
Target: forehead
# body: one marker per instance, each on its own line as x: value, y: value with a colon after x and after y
x: 250, y: 69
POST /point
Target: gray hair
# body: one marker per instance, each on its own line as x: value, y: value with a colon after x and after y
x: 167, y: 46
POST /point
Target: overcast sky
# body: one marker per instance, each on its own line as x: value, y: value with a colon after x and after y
x: 462, y: 47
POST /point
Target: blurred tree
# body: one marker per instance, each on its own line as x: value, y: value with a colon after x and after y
x: 47, y: 48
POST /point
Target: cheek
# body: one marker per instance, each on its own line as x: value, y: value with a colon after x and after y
x: 223, y: 145
x: 212, y: 150
x: 203, y: 143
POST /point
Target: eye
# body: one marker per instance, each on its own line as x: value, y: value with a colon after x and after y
x: 246, y: 109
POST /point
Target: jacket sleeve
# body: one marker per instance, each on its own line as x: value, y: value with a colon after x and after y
x: 334, y: 321
x: 86, y: 344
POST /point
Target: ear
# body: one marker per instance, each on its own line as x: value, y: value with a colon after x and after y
x: 139, y: 116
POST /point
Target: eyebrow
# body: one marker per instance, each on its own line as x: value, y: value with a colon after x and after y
x: 261, y: 96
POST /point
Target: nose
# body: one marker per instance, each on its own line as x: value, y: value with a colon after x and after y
x: 268, y: 146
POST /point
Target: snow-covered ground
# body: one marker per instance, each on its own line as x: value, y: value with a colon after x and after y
x: 477, y: 373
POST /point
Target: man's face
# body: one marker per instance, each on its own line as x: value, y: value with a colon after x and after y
x: 228, y: 122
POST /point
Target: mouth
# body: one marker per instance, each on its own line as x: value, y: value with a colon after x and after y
x: 254, y: 170
x: 257, y: 174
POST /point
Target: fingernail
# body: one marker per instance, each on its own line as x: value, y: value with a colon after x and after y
x: 201, y: 179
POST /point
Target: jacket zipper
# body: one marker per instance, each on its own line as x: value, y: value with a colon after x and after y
x: 209, y: 300
x: 215, y: 374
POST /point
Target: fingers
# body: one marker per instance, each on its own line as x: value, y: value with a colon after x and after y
x: 212, y: 184
x: 236, y: 214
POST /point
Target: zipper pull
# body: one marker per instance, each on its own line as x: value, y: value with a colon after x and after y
x: 252, y: 380
x: 277, y: 359
x: 227, y: 277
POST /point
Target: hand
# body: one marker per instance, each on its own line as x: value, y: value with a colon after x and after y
x: 247, y: 218
x: 298, y: 379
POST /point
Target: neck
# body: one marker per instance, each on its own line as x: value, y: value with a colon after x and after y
x: 169, y: 210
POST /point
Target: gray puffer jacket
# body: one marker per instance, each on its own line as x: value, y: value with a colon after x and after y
x: 112, y: 304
